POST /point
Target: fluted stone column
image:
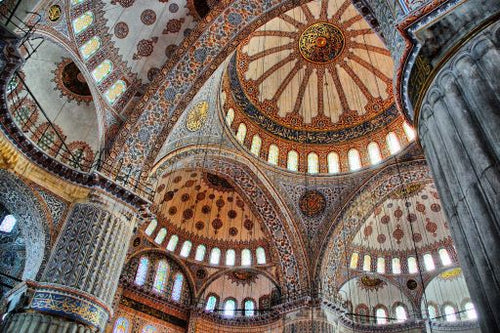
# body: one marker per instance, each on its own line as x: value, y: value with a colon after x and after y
x: 76, y: 290
x: 459, y: 128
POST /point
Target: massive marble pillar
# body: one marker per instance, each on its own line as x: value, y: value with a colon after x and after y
x: 459, y: 129
x: 77, y: 287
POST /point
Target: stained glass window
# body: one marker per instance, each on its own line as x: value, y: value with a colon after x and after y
x: 102, y: 71
x: 115, y: 91
x: 256, y: 144
x: 445, y: 257
x: 374, y: 153
x: 333, y: 162
x: 354, y: 160
x: 292, y: 163
x: 90, y: 47
x: 172, y: 243
x: 151, y: 227
x: 412, y: 265
x: 186, y: 249
x: 249, y: 308
x: 409, y: 131
x: 47, y: 140
x: 312, y: 163
x: 470, y: 311
x: 242, y: 132
x: 354, y: 261
x: 229, y: 307
x: 261, y: 255
x: 121, y: 326
x: 142, y: 271
x: 432, y: 310
x: 177, y: 288
x: 211, y: 303
x: 274, y: 152
x: 450, y: 313
x: 149, y: 329
x: 381, y: 315
x: 396, y: 266
x: 83, y: 22
x: 429, y: 262
x: 8, y: 223
x: 76, y: 2
x: 230, y: 257
x: 367, y: 263
x: 381, y: 265
x: 161, y: 236
x: 161, y: 276
x: 200, y: 253
x: 393, y: 143
x: 401, y: 314
x: 230, y: 116
x: 246, y: 257
x: 215, y: 256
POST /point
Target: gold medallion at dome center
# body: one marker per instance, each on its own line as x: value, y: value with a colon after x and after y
x: 321, y: 42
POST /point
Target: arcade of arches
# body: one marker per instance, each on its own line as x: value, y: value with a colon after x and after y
x: 249, y: 166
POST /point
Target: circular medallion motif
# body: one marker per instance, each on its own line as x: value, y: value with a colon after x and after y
x: 312, y: 203
x: 54, y: 13
x: 148, y: 17
x: 197, y: 116
x: 121, y: 30
x: 321, y: 43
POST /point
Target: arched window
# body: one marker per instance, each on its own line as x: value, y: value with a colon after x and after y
x: 102, y: 71
x: 242, y: 132
x: 381, y: 316
x: 90, y: 47
x: 470, y: 311
x: 177, y: 288
x: 409, y: 131
x: 211, y: 303
x: 393, y: 143
x: 142, y: 271
x: 312, y: 163
x: 374, y: 153
x: 429, y: 262
x: 432, y: 311
x: 246, y: 257
x: 229, y: 307
x: 273, y: 156
x: 161, y: 236
x: 172, y: 243
x: 149, y: 329
x: 333, y: 162
x: 450, y: 313
x: 249, y: 308
x: 381, y: 265
x: 363, y: 313
x: 151, y: 227
x: 367, y: 263
x: 186, y: 249
x: 121, y: 326
x: 256, y: 144
x: 354, y: 160
x: 115, y: 91
x: 215, y: 256
x: 401, y: 314
x: 161, y: 276
x: 8, y: 223
x: 354, y: 260
x: 83, y: 22
x: 396, y: 266
x: 412, y: 265
x: 200, y: 252
x: 260, y: 253
x: 230, y: 116
x: 230, y: 257
x: 445, y: 257
x: 292, y: 163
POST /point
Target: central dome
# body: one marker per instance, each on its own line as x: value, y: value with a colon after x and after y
x: 321, y: 42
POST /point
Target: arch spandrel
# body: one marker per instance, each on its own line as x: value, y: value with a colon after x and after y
x: 293, y: 265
